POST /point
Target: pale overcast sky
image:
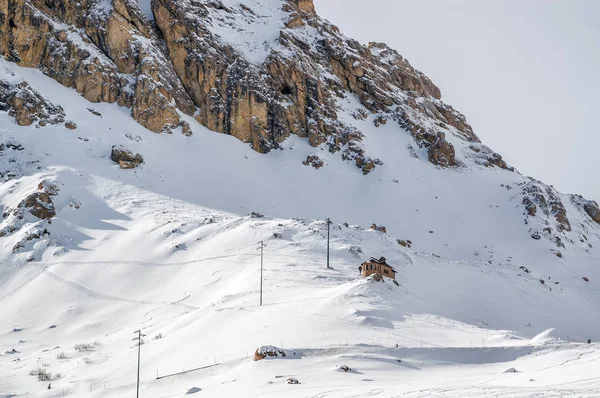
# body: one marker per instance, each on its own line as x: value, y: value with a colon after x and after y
x: 526, y: 73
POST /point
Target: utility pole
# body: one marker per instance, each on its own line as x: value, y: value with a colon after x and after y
x: 261, y: 247
x: 139, y: 344
x: 328, y: 224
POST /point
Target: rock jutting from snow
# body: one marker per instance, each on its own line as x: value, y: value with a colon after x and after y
x: 125, y: 158
x: 545, y: 211
x: 441, y: 152
x: 27, y: 106
x: 268, y: 351
x: 379, y: 228
x: 39, y: 204
x: 314, y: 161
x: 592, y: 209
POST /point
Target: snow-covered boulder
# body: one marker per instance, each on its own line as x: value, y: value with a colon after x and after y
x: 343, y: 368
x: 268, y: 351
x: 125, y: 158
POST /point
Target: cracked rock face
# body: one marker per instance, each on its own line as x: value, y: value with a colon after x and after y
x: 545, y: 212
x: 441, y: 152
x: 39, y: 204
x: 592, y: 209
x: 27, y: 106
x: 107, y: 54
x: 183, y: 62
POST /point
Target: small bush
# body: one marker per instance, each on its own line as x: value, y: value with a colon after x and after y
x: 42, y: 374
x: 83, y: 347
x: 61, y: 355
x: 158, y: 336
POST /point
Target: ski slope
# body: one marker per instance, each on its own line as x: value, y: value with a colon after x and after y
x: 170, y: 248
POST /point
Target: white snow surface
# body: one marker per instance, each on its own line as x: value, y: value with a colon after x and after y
x: 251, y: 26
x: 170, y: 249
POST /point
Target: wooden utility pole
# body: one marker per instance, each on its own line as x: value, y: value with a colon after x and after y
x: 139, y: 344
x: 328, y: 224
x: 261, y: 247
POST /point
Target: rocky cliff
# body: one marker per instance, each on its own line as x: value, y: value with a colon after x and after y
x: 286, y: 77
x: 108, y: 52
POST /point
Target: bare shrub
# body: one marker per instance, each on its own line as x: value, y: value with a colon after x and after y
x: 42, y: 374
x: 61, y: 355
x: 88, y: 360
x: 83, y: 347
x: 158, y: 336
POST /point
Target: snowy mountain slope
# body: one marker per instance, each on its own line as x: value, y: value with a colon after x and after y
x: 408, y: 196
x: 170, y: 248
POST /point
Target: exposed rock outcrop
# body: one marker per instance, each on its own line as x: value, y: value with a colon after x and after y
x: 545, y: 209
x: 125, y: 158
x: 314, y: 161
x: 379, y: 228
x: 590, y: 207
x: 39, y: 204
x: 306, y: 5
x: 536, y: 194
x: 27, y: 106
x: 49, y: 187
x: 441, y: 152
x: 264, y: 102
x: 483, y: 155
x: 404, y: 243
x: 268, y: 351
x: 108, y: 53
